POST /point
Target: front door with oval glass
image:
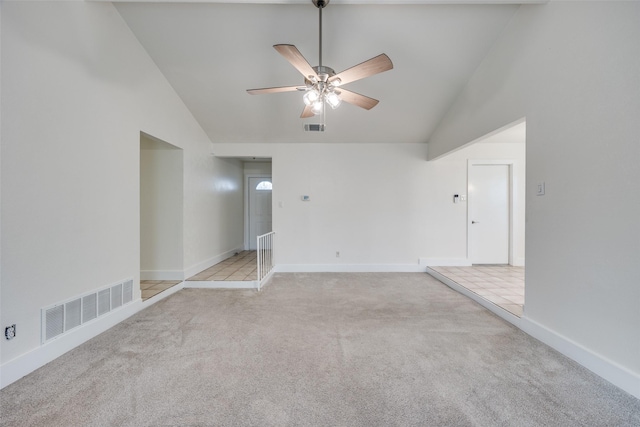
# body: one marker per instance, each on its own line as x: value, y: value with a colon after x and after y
x: 259, y: 208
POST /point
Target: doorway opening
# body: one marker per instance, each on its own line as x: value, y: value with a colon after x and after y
x: 161, y: 215
x: 495, y: 220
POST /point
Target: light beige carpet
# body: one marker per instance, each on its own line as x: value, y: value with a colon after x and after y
x: 316, y: 350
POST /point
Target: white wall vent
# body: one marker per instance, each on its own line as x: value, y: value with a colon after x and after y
x: 89, y: 307
x: 104, y: 301
x: 127, y: 291
x: 116, y: 296
x: 314, y: 127
x: 73, y: 314
x: 55, y: 321
x: 60, y: 318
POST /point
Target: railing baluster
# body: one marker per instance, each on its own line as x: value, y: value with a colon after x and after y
x: 265, y: 256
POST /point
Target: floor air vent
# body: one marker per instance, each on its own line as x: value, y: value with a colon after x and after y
x: 60, y: 318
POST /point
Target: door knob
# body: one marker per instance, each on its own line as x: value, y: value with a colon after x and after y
x: 474, y: 222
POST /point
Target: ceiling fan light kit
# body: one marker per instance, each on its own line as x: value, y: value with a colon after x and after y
x: 321, y: 83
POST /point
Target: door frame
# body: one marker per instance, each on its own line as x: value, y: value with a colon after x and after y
x: 247, y: 176
x: 511, y: 164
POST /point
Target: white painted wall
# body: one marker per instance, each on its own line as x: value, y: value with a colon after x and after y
x: 214, y: 203
x: 161, y: 209
x: 77, y: 89
x: 257, y: 168
x: 382, y: 206
x: 572, y: 69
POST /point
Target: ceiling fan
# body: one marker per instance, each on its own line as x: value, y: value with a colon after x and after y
x: 321, y: 83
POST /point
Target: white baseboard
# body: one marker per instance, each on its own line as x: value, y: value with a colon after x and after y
x: 518, y: 262
x: 350, y: 268
x: 204, y: 284
x: 605, y: 368
x: 161, y: 275
x: 445, y: 262
x: 17, y: 368
x: 458, y: 262
x: 203, y: 265
x: 617, y: 375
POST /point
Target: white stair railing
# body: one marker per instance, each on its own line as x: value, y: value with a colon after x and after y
x: 265, y: 257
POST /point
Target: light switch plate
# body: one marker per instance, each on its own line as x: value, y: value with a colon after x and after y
x: 540, y: 191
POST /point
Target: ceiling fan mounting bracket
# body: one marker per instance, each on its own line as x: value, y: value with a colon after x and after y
x: 320, y: 3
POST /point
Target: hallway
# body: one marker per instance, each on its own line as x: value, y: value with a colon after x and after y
x: 239, y: 268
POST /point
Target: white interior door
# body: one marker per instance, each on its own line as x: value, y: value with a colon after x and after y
x: 259, y: 208
x: 489, y: 219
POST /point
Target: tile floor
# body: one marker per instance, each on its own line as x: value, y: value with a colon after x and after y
x: 152, y: 288
x: 240, y: 267
x: 503, y: 285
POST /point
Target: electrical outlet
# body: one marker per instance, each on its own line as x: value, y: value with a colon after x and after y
x: 337, y: 254
x: 10, y: 332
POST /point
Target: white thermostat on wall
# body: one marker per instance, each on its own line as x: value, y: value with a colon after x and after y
x: 306, y: 198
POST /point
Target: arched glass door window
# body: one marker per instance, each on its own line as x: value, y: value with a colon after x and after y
x: 264, y: 186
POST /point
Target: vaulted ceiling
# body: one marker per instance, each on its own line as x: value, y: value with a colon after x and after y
x: 211, y: 52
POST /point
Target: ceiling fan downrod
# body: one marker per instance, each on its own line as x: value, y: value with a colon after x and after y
x: 320, y: 4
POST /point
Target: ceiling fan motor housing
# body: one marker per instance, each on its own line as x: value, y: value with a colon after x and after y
x: 324, y: 74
